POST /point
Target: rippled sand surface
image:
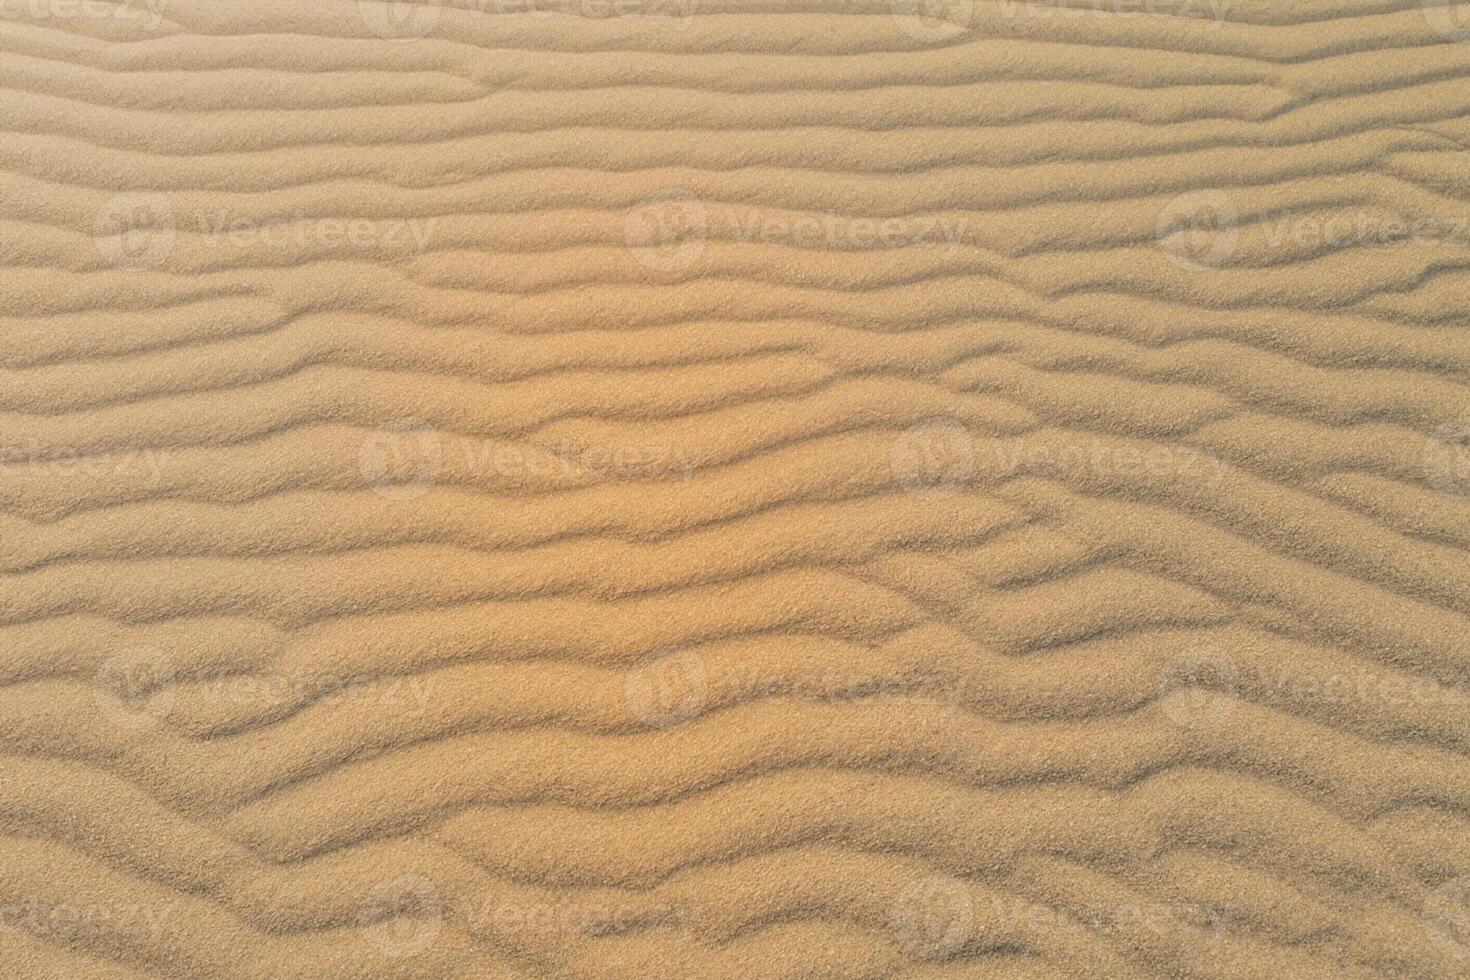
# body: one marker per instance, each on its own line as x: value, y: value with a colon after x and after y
x: 657, y: 489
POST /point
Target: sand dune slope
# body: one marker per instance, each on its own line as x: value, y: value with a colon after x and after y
x: 737, y: 489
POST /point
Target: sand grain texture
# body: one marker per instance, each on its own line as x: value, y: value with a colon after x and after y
x: 735, y: 489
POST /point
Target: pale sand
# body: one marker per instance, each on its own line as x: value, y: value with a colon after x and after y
x: 792, y: 490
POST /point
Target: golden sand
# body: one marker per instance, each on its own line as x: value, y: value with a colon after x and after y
x: 670, y: 489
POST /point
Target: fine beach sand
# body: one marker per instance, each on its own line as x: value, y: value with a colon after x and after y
x: 745, y: 490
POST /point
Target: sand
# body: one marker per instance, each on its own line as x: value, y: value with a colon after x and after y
x: 656, y: 489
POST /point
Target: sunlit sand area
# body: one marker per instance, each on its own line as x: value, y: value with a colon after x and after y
x: 610, y: 489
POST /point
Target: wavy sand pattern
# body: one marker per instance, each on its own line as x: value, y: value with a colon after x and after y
x: 646, y: 488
